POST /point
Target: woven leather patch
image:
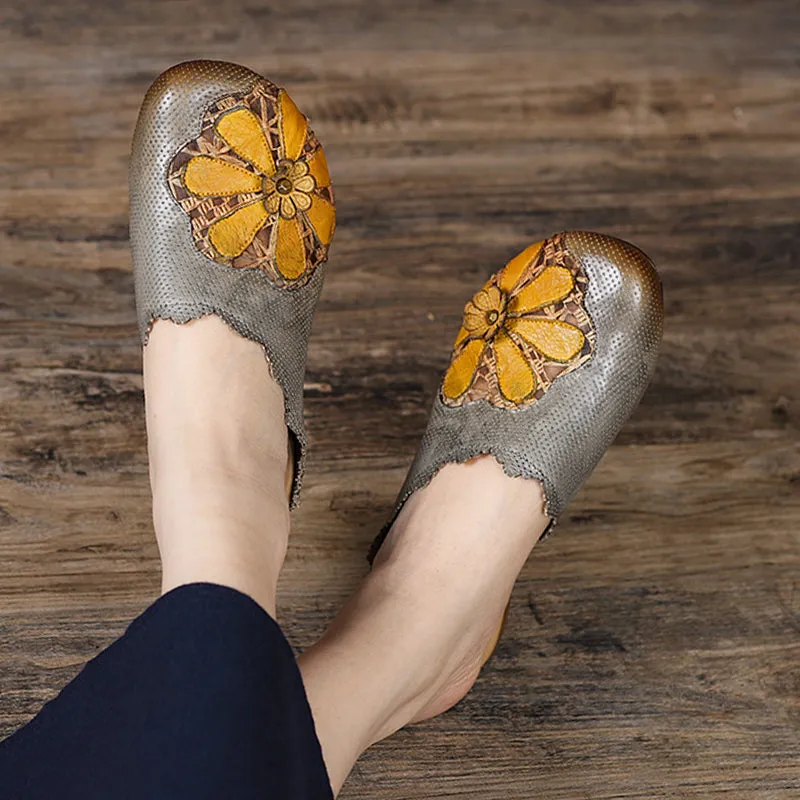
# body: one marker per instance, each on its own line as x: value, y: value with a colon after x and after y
x: 256, y: 187
x: 523, y: 329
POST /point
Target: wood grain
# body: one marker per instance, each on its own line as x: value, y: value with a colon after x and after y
x: 653, y: 646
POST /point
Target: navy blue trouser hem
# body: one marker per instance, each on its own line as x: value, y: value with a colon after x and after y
x: 201, y: 697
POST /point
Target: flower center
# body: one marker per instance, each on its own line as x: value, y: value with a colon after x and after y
x: 492, y: 316
x: 283, y: 185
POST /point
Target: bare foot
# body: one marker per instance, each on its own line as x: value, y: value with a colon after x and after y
x: 411, y: 642
x: 218, y: 450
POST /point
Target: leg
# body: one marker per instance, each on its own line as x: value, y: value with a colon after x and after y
x: 218, y: 450
x: 410, y: 643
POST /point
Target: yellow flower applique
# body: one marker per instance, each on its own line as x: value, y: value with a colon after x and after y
x: 256, y: 187
x: 522, y: 330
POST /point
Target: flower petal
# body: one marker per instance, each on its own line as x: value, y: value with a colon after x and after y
x: 209, y: 177
x: 318, y: 166
x: 294, y: 127
x: 232, y: 235
x: 290, y: 252
x: 511, y: 273
x: 461, y: 371
x: 555, y: 283
x: 554, y: 339
x: 305, y: 183
x: 514, y: 375
x: 322, y: 216
x: 475, y: 320
x: 298, y: 170
x: 288, y: 208
x: 273, y: 203
x: 462, y: 334
x: 488, y: 299
x: 242, y: 130
x: 301, y: 200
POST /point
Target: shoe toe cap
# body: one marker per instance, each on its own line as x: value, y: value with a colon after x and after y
x: 624, y: 287
x: 191, y: 77
x: 174, y: 104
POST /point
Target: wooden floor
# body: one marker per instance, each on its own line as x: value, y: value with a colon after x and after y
x: 653, y: 645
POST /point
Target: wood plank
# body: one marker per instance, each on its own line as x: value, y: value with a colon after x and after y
x: 653, y: 644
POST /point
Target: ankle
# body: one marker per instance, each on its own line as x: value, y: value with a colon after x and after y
x: 442, y: 626
x: 222, y: 522
x: 257, y: 577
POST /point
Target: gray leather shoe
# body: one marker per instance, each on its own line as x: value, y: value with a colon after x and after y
x: 553, y: 356
x: 232, y: 213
